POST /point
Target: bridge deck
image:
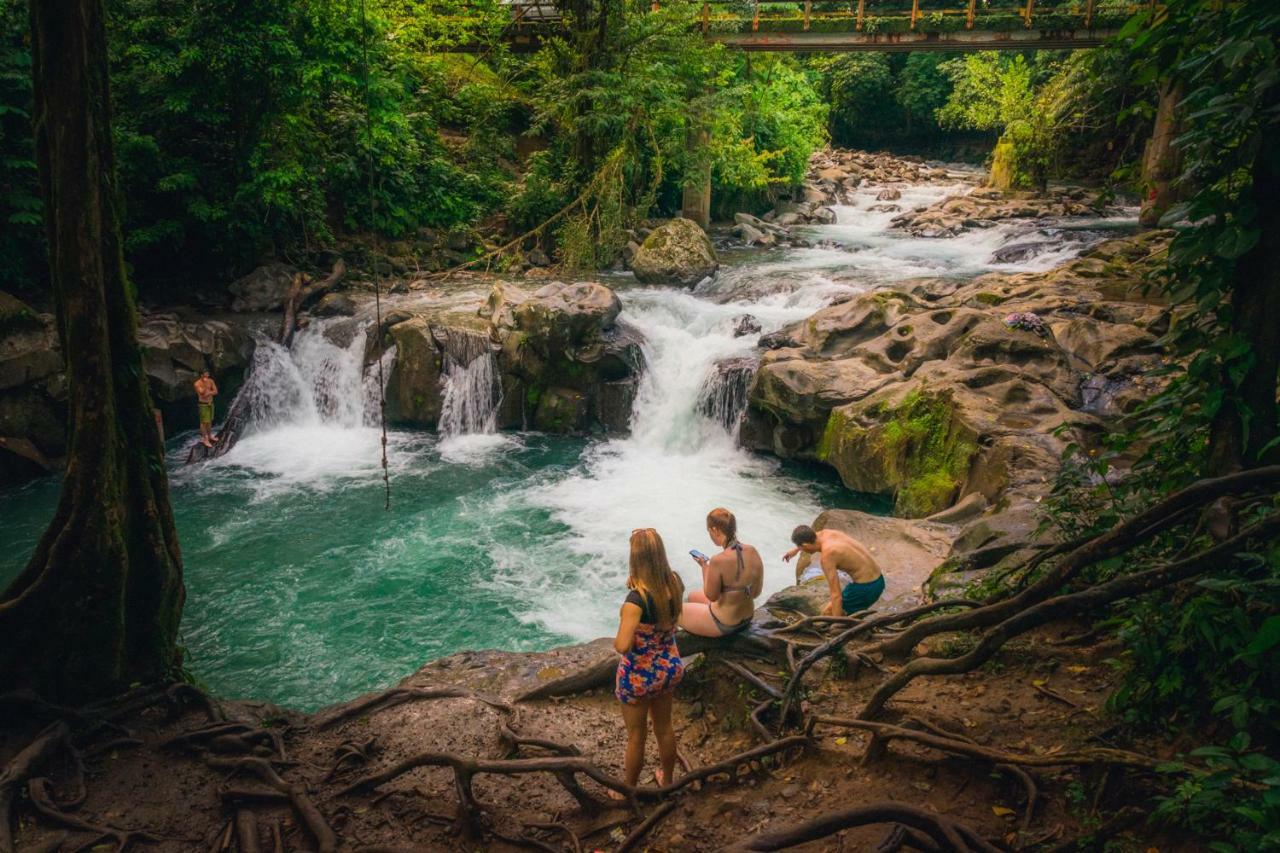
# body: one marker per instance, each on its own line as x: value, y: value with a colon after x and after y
x: 871, y: 25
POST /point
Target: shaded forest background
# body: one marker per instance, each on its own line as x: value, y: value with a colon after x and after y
x: 240, y: 128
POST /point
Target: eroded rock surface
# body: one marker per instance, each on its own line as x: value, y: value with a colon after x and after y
x: 983, y: 208
x: 925, y: 393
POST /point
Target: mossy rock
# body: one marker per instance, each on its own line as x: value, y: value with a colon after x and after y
x: 677, y: 253
x: 918, y: 450
x: 561, y: 410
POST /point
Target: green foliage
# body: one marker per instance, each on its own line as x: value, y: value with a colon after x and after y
x: 635, y: 104
x: 242, y: 132
x: 921, y: 90
x: 1078, y: 114
x: 928, y: 455
x: 1235, y: 801
x: 860, y: 89
x: 21, y: 231
x: 989, y: 91
x: 1229, y: 66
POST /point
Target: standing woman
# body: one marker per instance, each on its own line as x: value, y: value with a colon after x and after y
x: 650, y: 667
x: 731, y: 580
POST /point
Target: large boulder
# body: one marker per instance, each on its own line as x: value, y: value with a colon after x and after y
x: 677, y: 253
x: 264, y: 289
x: 414, y: 395
x: 568, y: 364
x: 174, y: 353
x: 33, y: 384
x: 29, y: 350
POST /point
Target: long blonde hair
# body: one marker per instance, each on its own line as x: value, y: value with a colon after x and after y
x: 651, y: 576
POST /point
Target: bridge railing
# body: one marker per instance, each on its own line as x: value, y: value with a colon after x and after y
x: 917, y: 16
x: 875, y: 16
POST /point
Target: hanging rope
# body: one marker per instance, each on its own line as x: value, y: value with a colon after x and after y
x: 373, y: 223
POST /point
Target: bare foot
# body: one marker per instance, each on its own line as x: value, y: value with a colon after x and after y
x: 660, y: 778
x: 206, y: 442
x: 617, y: 796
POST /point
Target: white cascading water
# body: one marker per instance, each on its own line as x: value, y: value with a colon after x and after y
x: 725, y: 392
x: 313, y: 410
x: 472, y: 394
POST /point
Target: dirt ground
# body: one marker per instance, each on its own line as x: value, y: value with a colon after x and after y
x: 205, y: 792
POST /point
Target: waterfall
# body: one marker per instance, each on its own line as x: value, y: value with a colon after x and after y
x: 321, y: 380
x: 724, y: 393
x: 472, y: 388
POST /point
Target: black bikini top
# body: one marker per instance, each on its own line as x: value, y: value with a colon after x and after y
x: 724, y: 587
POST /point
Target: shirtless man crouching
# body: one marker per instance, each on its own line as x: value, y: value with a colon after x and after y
x: 840, y: 552
x: 206, y: 390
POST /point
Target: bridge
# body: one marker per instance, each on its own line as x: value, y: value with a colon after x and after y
x: 870, y: 25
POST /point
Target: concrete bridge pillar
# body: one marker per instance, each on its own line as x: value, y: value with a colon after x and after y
x: 696, y: 201
x: 1161, y: 162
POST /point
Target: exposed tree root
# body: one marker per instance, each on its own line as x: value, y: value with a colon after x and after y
x: 1070, y: 604
x: 942, y: 831
x: 646, y: 826
x: 24, y: 766
x: 564, y: 769
x: 1030, y: 789
x: 375, y: 702
x: 561, y: 828
x: 325, y: 838
x: 350, y: 754
x: 247, y: 831
x: 1118, y: 823
x: 888, y: 732
x: 42, y: 801
x: 863, y: 626
x: 1161, y: 516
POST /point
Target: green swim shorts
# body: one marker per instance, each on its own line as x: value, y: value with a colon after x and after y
x: 860, y: 596
x: 206, y: 413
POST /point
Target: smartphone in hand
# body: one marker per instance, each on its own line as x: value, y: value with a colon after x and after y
x: 698, y: 555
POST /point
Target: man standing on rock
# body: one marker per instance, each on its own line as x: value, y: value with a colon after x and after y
x: 840, y: 552
x: 206, y: 390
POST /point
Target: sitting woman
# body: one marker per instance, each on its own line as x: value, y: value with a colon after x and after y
x: 731, y: 580
x: 650, y: 667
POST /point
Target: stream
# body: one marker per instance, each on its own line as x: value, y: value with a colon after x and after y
x: 302, y: 590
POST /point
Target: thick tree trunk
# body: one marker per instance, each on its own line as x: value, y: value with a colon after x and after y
x: 1161, y: 161
x: 1247, y: 424
x: 98, y: 606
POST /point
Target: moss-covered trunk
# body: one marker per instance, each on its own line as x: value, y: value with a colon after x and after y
x: 99, y: 603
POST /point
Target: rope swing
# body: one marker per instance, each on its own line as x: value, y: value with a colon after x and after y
x: 373, y: 224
